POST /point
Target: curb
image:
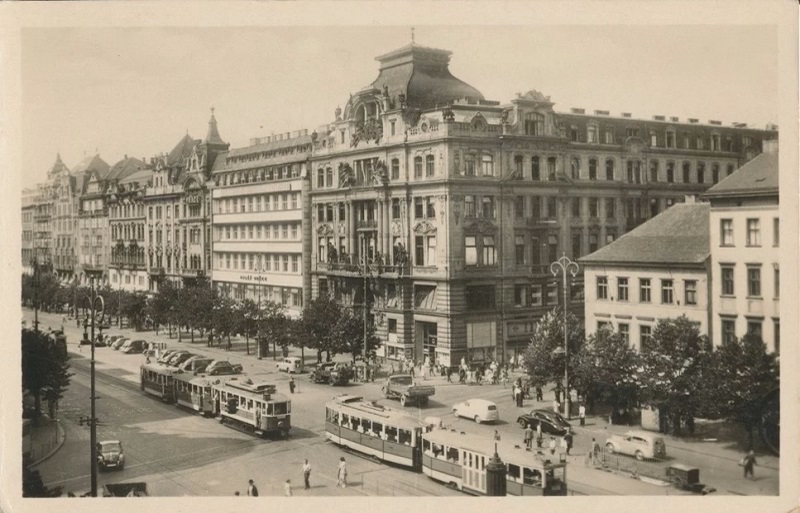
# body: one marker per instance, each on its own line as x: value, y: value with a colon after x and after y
x: 62, y: 437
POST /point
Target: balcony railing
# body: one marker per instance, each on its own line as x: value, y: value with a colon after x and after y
x: 358, y: 269
x: 366, y: 223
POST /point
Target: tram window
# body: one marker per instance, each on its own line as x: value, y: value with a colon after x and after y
x: 557, y: 473
x: 366, y: 426
x: 281, y: 408
x: 452, y: 455
x: 531, y: 476
x: 377, y: 429
x: 405, y: 437
x: 249, y: 404
x: 438, y: 451
x: 346, y: 421
x: 513, y: 472
x: 426, y: 447
x: 270, y: 409
x: 356, y: 423
x: 469, y: 460
x: 391, y: 434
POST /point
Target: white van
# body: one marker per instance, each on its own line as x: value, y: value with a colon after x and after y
x: 641, y: 444
x: 291, y: 364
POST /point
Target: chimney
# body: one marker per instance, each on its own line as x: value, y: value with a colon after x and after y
x: 770, y: 146
x: 577, y: 111
x: 626, y: 114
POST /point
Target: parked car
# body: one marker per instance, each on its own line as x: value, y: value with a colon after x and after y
x: 332, y: 373
x: 291, y: 365
x: 195, y: 364
x: 552, y: 422
x: 98, y: 342
x: 641, y: 444
x: 110, y: 454
x: 178, y: 359
x: 119, y: 342
x: 480, y: 410
x: 166, y: 355
x: 134, y: 347
x: 219, y: 367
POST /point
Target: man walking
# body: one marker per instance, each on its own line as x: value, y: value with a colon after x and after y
x: 291, y: 384
x: 306, y: 475
x: 568, y: 441
x: 252, y: 490
x: 342, y: 473
x: 582, y: 414
x: 539, y: 435
x: 748, y: 462
x: 539, y: 394
x: 595, y: 451
x: 528, y: 437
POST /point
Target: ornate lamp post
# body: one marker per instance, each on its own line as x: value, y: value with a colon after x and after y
x: 96, y: 306
x: 565, y: 265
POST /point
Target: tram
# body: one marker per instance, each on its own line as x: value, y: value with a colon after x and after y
x: 195, y: 393
x: 460, y: 459
x: 367, y: 427
x: 252, y: 407
x: 157, y: 380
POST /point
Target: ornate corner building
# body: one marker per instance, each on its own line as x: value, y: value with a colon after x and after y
x: 441, y: 210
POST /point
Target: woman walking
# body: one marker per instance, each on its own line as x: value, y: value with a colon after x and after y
x: 342, y: 474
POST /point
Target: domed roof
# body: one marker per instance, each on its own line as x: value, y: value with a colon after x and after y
x: 422, y: 74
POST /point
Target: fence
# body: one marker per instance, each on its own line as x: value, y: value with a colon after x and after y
x: 45, y: 437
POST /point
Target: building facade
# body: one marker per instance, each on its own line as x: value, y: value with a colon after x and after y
x: 452, y: 207
x: 92, y: 233
x: 28, y: 208
x: 178, y: 210
x: 126, y: 225
x: 257, y: 204
x: 659, y: 270
x: 745, y: 251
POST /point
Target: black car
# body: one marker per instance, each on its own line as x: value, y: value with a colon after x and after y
x: 552, y: 423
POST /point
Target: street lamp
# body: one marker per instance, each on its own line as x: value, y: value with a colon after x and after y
x: 565, y: 265
x: 96, y: 308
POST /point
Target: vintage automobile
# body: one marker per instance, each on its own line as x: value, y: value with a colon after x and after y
x: 110, y: 454
x: 480, y: 410
x: 642, y: 444
x: 552, y: 423
x: 134, y: 347
x: 332, y: 373
x: 196, y: 364
x: 291, y: 365
x: 219, y: 367
x: 404, y: 388
x: 178, y: 358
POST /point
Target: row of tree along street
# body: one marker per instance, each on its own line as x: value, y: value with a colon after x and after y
x: 325, y: 326
x: 676, y: 369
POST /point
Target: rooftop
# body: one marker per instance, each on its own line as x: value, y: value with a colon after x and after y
x: 679, y: 235
x: 758, y: 177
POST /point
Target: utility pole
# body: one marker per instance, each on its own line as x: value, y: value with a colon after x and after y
x: 96, y: 307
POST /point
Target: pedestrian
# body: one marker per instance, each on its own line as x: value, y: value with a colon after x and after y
x: 504, y: 374
x: 552, y: 445
x: 582, y: 414
x: 595, y: 451
x: 291, y: 384
x: 748, y: 462
x: 252, y: 490
x: 568, y: 441
x: 306, y: 475
x: 342, y: 473
x: 411, y: 370
x: 556, y: 406
x: 528, y: 437
x: 446, y: 370
x: 539, y: 394
x: 516, y: 395
x: 557, y: 391
x: 287, y: 488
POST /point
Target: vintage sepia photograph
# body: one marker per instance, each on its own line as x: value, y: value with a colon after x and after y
x: 284, y: 251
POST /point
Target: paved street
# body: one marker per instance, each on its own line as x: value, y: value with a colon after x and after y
x: 182, y: 454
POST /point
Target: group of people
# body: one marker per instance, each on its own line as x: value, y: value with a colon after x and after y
x: 341, y: 475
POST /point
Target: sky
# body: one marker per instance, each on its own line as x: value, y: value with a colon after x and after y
x: 136, y: 91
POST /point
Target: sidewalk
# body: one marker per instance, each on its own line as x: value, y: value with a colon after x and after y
x: 46, y: 439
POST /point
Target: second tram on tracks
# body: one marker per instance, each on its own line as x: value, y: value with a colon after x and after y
x: 196, y: 393
x: 367, y: 427
x: 157, y: 380
x: 252, y: 407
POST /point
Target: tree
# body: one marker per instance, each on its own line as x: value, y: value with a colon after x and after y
x: 544, y: 356
x: 45, y: 369
x: 247, y: 313
x: 32, y: 485
x: 274, y: 326
x: 317, y: 319
x: 674, y: 367
x: 604, y: 371
x: 743, y: 373
x: 134, y: 308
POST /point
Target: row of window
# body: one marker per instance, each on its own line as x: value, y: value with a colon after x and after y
x: 258, y: 203
x: 194, y: 209
x: 669, y: 138
x: 98, y: 241
x: 286, y: 296
x: 624, y: 329
x: 92, y: 222
x: 190, y: 235
x: 754, y: 327
x: 267, y: 174
x: 645, y: 290
x: 128, y: 280
x: 752, y: 233
x: 262, y: 231
x: 258, y: 262
x: 127, y: 231
x: 125, y: 210
x: 728, y: 287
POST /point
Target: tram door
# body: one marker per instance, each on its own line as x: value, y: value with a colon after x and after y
x: 473, y: 471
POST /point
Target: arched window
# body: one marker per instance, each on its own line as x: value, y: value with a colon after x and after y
x: 609, y: 169
x: 715, y: 172
x: 592, y: 169
x: 429, y: 166
x: 634, y: 171
x: 395, y: 169
x: 687, y: 167
x: 730, y: 170
x: 418, y: 166
x: 670, y: 172
x: 535, y: 173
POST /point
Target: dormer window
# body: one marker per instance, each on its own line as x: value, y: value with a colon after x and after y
x: 365, y: 111
x: 534, y: 123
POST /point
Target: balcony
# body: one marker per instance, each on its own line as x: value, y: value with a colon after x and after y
x: 156, y: 271
x: 366, y: 224
x: 347, y: 269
